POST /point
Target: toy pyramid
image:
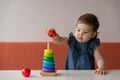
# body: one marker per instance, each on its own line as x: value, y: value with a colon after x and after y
x: 48, y: 67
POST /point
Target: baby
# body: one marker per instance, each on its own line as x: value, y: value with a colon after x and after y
x: 83, y: 45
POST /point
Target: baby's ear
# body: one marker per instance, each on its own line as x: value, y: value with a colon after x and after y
x: 94, y: 34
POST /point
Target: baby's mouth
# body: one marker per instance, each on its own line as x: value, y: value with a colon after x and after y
x: 80, y: 38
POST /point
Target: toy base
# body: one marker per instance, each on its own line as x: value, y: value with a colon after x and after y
x: 48, y: 73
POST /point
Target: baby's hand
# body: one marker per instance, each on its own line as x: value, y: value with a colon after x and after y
x: 100, y: 71
x: 51, y: 32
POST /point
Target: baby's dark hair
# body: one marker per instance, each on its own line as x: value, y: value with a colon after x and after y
x: 89, y: 19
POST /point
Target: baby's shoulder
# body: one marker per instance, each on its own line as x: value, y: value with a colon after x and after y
x: 71, y: 39
x: 94, y: 43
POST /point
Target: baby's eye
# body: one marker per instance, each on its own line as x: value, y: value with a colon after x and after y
x: 85, y: 32
x: 78, y: 30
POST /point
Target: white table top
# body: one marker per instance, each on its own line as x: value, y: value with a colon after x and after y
x: 61, y: 75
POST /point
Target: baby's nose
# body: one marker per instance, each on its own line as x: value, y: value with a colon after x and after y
x: 81, y: 34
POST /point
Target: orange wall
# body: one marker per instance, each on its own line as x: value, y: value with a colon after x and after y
x: 17, y: 55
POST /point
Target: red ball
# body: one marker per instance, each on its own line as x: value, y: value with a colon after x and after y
x: 52, y: 33
x: 26, y: 72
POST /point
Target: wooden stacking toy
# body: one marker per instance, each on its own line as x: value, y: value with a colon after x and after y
x: 48, y: 67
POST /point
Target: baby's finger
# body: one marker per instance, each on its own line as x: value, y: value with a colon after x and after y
x: 95, y: 71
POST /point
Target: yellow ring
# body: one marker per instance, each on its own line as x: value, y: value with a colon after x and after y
x: 48, y: 51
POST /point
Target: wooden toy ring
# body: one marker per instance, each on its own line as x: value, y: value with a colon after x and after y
x: 49, y: 51
x: 48, y: 62
x: 44, y: 64
x: 48, y: 58
x: 48, y: 67
x: 48, y: 70
x: 47, y: 55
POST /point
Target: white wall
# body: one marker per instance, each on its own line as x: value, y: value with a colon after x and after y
x: 26, y: 20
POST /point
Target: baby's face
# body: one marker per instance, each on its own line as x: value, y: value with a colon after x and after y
x: 83, y: 33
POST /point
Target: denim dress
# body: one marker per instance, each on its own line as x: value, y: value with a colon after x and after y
x: 80, y: 55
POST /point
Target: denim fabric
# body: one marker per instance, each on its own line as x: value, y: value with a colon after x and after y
x: 80, y: 55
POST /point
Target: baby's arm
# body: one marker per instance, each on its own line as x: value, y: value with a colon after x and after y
x: 100, y: 62
x: 57, y: 38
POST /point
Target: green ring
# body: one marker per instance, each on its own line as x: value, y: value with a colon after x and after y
x: 48, y: 58
x: 47, y: 55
